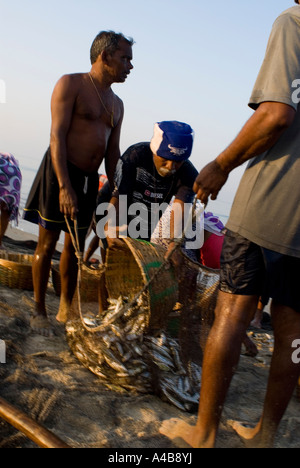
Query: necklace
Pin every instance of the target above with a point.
(111, 114)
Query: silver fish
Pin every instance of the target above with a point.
(132, 337)
(163, 363)
(138, 350)
(113, 362)
(89, 322)
(172, 399)
(97, 371)
(127, 356)
(177, 360)
(119, 348)
(163, 350)
(116, 330)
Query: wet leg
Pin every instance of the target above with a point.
(40, 272)
(233, 316)
(284, 374)
(68, 275)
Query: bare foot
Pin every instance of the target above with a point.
(64, 311)
(250, 436)
(176, 429)
(41, 325)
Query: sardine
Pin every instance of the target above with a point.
(161, 362)
(113, 362)
(89, 322)
(172, 399)
(132, 337)
(119, 348)
(98, 372)
(163, 350)
(116, 331)
(186, 397)
(127, 356)
(138, 350)
(136, 371)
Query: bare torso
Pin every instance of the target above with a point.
(90, 127)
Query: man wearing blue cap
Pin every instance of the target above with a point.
(147, 177)
(149, 174)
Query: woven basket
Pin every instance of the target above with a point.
(129, 270)
(16, 271)
(198, 292)
(89, 282)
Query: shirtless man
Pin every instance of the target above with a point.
(86, 126)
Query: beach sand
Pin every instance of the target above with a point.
(44, 379)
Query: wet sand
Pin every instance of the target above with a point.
(44, 379)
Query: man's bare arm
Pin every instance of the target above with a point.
(112, 155)
(258, 135)
(62, 105)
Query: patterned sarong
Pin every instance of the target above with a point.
(10, 184)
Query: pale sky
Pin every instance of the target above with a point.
(195, 61)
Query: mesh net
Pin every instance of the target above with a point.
(134, 350)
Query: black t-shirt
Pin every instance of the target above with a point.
(137, 178)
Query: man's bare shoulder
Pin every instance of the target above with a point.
(73, 78)
(71, 81)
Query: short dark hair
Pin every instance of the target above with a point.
(108, 41)
(297, 1)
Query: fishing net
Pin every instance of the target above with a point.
(128, 346)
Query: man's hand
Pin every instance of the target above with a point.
(68, 203)
(209, 182)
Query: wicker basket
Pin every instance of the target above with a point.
(89, 282)
(129, 270)
(198, 292)
(16, 270)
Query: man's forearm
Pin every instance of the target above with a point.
(258, 135)
(59, 161)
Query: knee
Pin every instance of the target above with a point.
(46, 246)
(235, 312)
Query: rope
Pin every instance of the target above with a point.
(79, 255)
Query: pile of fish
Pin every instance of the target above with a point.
(127, 354)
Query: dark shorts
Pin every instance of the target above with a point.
(250, 270)
(42, 206)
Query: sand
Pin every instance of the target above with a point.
(44, 379)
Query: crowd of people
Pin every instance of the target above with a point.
(257, 253)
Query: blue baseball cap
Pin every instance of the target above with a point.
(172, 140)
